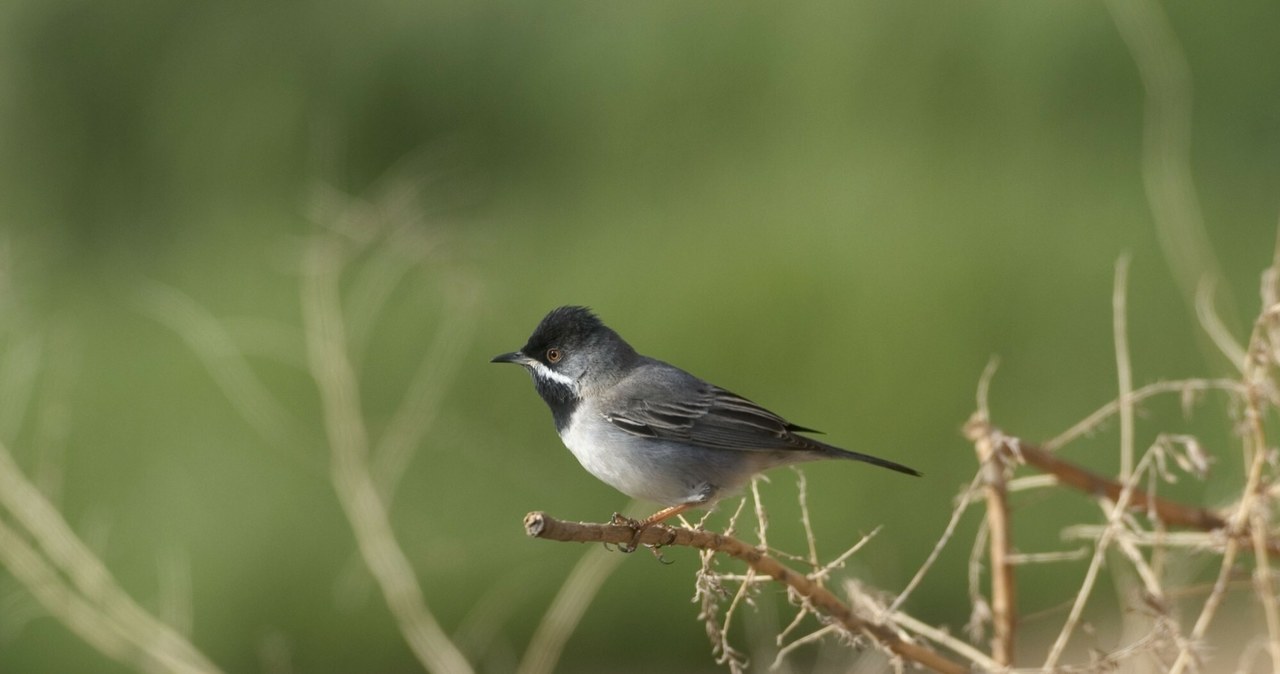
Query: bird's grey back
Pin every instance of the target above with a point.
(659, 400)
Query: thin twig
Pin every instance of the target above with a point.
(1114, 524)
(962, 504)
(1170, 512)
(1004, 611)
(980, 660)
(1030, 482)
(1262, 574)
(1049, 557)
(812, 637)
(1173, 539)
(1180, 386)
(991, 459)
(1257, 379)
(1213, 325)
(980, 608)
(737, 664)
(1124, 367)
(802, 488)
(541, 525)
(708, 590)
(837, 563)
(762, 516)
(1239, 523)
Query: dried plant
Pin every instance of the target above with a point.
(1134, 537)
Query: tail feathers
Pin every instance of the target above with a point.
(836, 452)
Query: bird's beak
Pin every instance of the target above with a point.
(513, 357)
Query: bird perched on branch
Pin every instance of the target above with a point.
(651, 430)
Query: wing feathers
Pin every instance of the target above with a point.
(668, 403)
(713, 418)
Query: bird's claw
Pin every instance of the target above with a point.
(620, 520)
(638, 528)
(657, 554)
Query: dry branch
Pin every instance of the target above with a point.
(1169, 512)
(1004, 611)
(541, 525)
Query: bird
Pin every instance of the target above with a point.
(652, 430)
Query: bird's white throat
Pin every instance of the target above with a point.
(541, 371)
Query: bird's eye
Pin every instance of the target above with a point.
(554, 355)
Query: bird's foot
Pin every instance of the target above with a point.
(620, 520)
(657, 554)
(637, 528)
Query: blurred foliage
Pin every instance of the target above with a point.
(839, 210)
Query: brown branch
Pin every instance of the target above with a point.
(1169, 512)
(541, 525)
(1004, 608)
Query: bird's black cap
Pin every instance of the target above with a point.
(565, 326)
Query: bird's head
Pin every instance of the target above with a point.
(571, 351)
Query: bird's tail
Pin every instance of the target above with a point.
(836, 452)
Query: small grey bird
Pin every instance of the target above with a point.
(651, 430)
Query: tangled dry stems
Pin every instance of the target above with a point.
(1136, 525)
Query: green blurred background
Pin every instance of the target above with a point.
(840, 210)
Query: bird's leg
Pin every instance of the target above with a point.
(639, 527)
(665, 513)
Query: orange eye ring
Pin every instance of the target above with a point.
(554, 355)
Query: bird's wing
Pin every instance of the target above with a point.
(680, 407)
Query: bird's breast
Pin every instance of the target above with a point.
(644, 468)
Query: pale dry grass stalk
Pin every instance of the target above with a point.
(1213, 326)
(962, 504)
(1192, 540)
(1124, 368)
(709, 590)
(979, 659)
(994, 470)
(1259, 381)
(42, 551)
(77, 588)
(979, 607)
(1166, 140)
(1245, 524)
(1259, 359)
(335, 377)
(1116, 529)
(1094, 420)
(20, 366)
(1113, 529)
(53, 418)
(364, 473)
(566, 610)
(796, 644)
